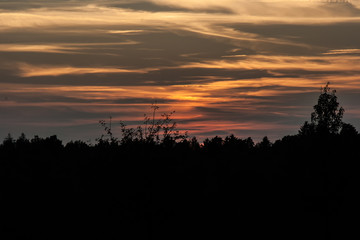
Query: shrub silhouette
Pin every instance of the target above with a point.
(154, 131)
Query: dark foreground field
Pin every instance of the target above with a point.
(300, 186)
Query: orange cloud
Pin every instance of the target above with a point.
(342, 51)
(318, 63)
(28, 70)
(65, 48)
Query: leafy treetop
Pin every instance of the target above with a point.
(327, 116)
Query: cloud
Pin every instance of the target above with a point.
(97, 15)
(28, 70)
(290, 8)
(37, 48)
(270, 62)
(126, 32)
(64, 48)
(342, 51)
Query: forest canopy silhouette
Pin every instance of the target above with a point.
(155, 182)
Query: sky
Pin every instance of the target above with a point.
(249, 68)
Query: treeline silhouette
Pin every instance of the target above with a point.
(155, 183)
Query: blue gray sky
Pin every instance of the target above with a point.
(251, 68)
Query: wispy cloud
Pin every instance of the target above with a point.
(293, 8)
(342, 51)
(28, 70)
(64, 48)
(97, 15)
(37, 48)
(126, 32)
(312, 63)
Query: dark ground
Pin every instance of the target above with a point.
(228, 189)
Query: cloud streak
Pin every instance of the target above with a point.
(314, 63)
(27, 70)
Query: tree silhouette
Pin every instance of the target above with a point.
(264, 144)
(327, 116)
(348, 130)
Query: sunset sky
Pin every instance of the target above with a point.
(251, 68)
